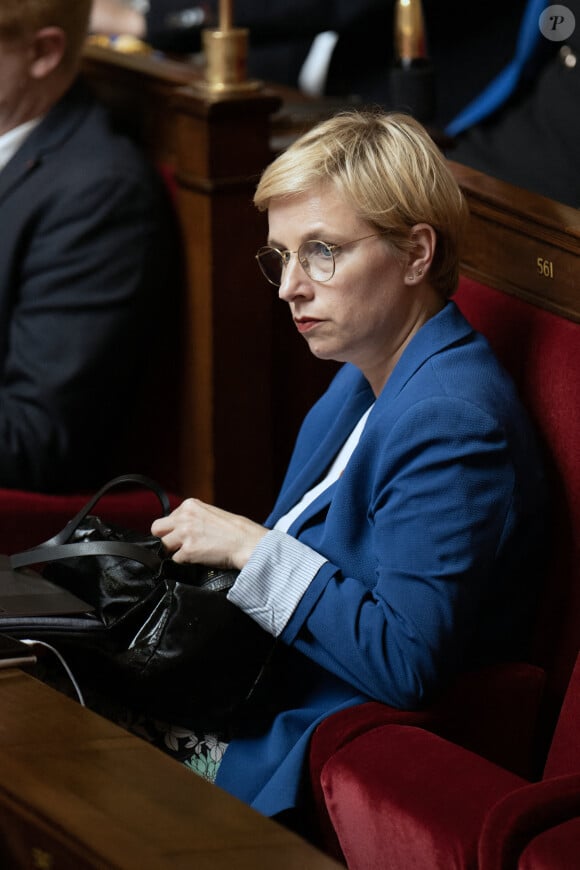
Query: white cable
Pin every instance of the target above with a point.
(29, 642)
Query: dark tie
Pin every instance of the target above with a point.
(498, 90)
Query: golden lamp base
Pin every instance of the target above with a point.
(226, 60)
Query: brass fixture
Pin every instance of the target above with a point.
(226, 56)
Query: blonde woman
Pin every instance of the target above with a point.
(402, 544)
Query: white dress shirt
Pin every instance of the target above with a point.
(11, 141)
(281, 568)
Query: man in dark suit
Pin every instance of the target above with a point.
(533, 140)
(83, 258)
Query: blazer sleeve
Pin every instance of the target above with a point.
(441, 504)
(411, 537)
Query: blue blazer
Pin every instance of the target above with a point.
(431, 536)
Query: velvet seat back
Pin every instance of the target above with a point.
(542, 353)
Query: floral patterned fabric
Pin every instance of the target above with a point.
(200, 752)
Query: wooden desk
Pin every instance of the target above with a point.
(78, 792)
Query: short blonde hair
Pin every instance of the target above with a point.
(389, 169)
(20, 18)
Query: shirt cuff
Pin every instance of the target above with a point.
(274, 580)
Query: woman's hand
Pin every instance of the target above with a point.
(202, 533)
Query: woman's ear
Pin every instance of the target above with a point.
(48, 50)
(423, 240)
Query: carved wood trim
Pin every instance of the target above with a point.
(521, 243)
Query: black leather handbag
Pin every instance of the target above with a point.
(161, 637)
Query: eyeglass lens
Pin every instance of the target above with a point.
(316, 258)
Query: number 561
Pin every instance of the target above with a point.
(545, 267)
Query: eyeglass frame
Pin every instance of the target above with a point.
(286, 254)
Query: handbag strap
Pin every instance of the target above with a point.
(52, 552)
(72, 525)
(57, 547)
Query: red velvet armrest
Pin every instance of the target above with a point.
(493, 712)
(336, 731)
(557, 848)
(526, 814)
(400, 796)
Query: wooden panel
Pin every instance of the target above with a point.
(522, 243)
(229, 311)
(215, 149)
(78, 792)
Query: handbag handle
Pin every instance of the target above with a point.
(57, 547)
(72, 525)
(48, 552)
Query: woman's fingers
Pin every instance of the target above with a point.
(198, 532)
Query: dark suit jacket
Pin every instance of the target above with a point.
(83, 252)
(534, 140)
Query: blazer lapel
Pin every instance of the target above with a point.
(54, 129)
(347, 416)
(18, 168)
(446, 328)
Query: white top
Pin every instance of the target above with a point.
(11, 141)
(334, 473)
(281, 568)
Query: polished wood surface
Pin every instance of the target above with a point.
(78, 792)
(521, 243)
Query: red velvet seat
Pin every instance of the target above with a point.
(555, 848)
(28, 518)
(401, 797)
(536, 827)
(498, 713)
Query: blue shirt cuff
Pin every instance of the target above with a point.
(274, 580)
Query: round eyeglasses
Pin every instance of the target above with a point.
(316, 258)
